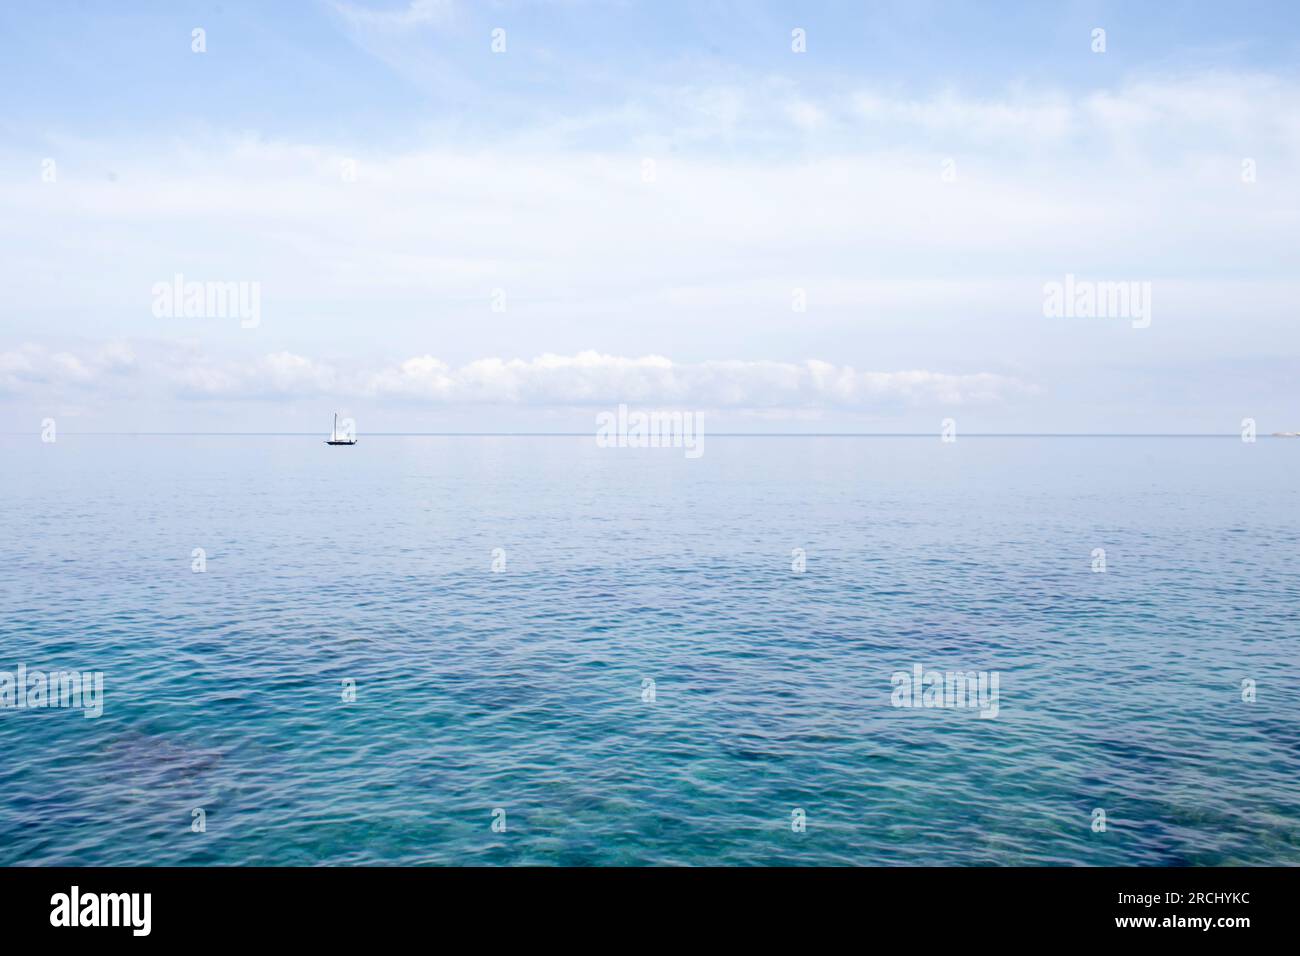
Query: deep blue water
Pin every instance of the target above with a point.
(522, 689)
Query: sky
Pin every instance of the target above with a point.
(670, 205)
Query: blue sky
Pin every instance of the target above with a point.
(642, 191)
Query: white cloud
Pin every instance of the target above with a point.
(282, 374)
(30, 366)
(1155, 119)
(591, 378)
(18, 369)
(948, 113)
(805, 114)
(547, 381)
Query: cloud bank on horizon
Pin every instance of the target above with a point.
(667, 205)
(587, 378)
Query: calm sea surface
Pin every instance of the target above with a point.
(522, 689)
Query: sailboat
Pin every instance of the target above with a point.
(334, 438)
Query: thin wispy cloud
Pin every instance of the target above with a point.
(415, 13)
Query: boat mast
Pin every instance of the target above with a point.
(334, 434)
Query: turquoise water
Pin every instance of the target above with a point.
(522, 689)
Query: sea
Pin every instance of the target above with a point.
(532, 650)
